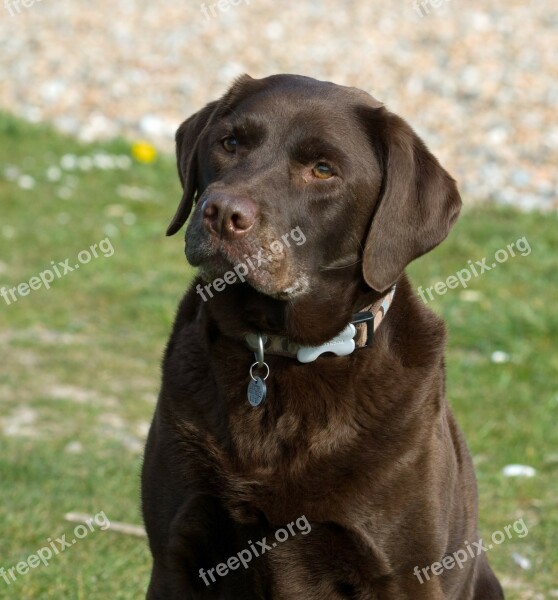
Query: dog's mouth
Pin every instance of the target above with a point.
(269, 268)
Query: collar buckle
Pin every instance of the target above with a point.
(365, 319)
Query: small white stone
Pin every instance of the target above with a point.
(133, 193)
(51, 91)
(64, 192)
(85, 163)
(71, 181)
(103, 161)
(74, 448)
(154, 126)
(115, 210)
(8, 232)
(521, 561)
(54, 174)
(111, 230)
(497, 136)
(518, 471)
(471, 296)
(68, 162)
(499, 357)
(26, 182)
(97, 126)
(274, 30)
(129, 218)
(11, 172)
(33, 114)
(142, 428)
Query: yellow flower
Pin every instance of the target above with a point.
(144, 152)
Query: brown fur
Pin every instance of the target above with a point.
(364, 446)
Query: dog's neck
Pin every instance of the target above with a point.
(359, 333)
(305, 325)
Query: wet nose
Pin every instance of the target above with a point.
(229, 216)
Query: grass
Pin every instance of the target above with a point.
(80, 364)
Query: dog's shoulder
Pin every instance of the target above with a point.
(417, 335)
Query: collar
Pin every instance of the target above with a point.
(359, 333)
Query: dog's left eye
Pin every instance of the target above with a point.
(230, 143)
(322, 170)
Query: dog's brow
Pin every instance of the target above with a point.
(248, 123)
(311, 147)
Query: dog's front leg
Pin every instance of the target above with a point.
(411, 589)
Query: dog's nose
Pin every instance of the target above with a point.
(229, 216)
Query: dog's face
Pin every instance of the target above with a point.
(314, 188)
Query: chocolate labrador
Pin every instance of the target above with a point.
(302, 447)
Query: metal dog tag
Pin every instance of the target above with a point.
(257, 391)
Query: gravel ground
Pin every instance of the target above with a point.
(478, 82)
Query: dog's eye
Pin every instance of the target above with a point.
(230, 143)
(322, 171)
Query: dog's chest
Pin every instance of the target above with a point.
(301, 445)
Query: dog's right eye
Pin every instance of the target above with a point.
(322, 170)
(230, 143)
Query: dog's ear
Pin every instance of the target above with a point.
(418, 202)
(186, 159)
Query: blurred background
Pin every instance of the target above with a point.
(90, 98)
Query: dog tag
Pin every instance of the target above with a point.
(256, 391)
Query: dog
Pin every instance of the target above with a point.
(302, 447)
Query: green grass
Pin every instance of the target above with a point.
(80, 363)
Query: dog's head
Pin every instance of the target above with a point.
(308, 191)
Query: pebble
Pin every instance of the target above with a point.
(26, 182)
(111, 230)
(85, 163)
(65, 193)
(8, 232)
(133, 193)
(74, 448)
(521, 561)
(479, 82)
(11, 173)
(471, 296)
(499, 357)
(518, 471)
(68, 162)
(129, 218)
(54, 174)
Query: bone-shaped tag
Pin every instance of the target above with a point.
(341, 345)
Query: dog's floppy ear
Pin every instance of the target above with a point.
(418, 202)
(186, 159)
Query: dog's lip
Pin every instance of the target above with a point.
(216, 267)
(218, 263)
(217, 252)
(216, 260)
(273, 276)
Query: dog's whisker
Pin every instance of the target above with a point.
(325, 268)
